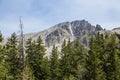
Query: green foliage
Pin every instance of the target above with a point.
(94, 63)
(3, 70)
(100, 62)
(72, 60)
(78, 57)
(12, 58)
(112, 58)
(36, 60)
(66, 59)
(1, 38)
(71, 77)
(55, 64)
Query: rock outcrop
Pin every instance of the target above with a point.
(65, 30)
(76, 29)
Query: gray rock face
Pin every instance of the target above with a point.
(71, 30)
(118, 28)
(65, 30)
(55, 37)
(57, 34)
(82, 27)
(98, 27)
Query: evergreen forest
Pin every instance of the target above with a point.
(99, 61)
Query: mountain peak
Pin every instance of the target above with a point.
(71, 30)
(98, 27)
(66, 30)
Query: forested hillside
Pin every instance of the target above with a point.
(100, 61)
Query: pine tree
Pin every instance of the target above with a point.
(36, 60)
(3, 70)
(78, 58)
(112, 59)
(72, 60)
(54, 64)
(94, 63)
(12, 58)
(1, 37)
(29, 58)
(67, 61)
(45, 66)
(40, 51)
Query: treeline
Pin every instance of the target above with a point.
(101, 61)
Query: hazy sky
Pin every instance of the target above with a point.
(38, 15)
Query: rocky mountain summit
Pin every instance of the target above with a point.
(65, 30)
(59, 32)
(68, 30)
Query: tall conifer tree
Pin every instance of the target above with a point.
(112, 59)
(37, 62)
(54, 64)
(94, 64)
(3, 70)
(12, 58)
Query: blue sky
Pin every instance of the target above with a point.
(38, 15)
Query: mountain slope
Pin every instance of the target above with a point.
(76, 29)
(65, 30)
(56, 34)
